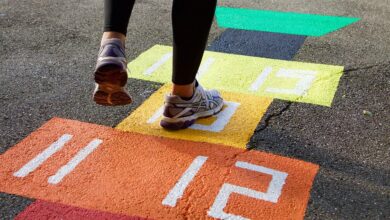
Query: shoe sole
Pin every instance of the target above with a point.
(110, 81)
(185, 122)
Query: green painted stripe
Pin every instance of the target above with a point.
(280, 22)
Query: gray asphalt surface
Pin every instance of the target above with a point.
(48, 51)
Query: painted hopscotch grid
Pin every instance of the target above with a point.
(233, 126)
(66, 158)
(120, 177)
(287, 80)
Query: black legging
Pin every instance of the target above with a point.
(191, 22)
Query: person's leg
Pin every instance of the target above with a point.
(116, 18)
(191, 21)
(111, 67)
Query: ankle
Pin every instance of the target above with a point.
(184, 91)
(114, 35)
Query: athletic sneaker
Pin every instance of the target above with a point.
(111, 75)
(180, 114)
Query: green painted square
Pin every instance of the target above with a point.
(281, 22)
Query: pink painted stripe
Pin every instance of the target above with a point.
(48, 210)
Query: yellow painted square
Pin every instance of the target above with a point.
(248, 111)
(287, 80)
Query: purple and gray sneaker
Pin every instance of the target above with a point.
(111, 75)
(180, 114)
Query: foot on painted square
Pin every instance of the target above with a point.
(180, 114)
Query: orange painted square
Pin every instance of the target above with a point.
(131, 174)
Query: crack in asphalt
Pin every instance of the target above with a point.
(268, 119)
(347, 71)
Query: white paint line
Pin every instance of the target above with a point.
(272, 195)
(220, 202)
(298, 71)
(223, 119)
(205, 67)
(302, 86)
(261, 79)
(69, 167)
(156, 115)
(43, 156)
(178, 190)
(159, 63)
(278, 179)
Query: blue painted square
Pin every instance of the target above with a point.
(258, 43)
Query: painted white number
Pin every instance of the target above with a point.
(69, 167)
(223, 119)
(306, 79)
(218, 125)
(42, 157)
(204, 67)
(178, 190)
(52, 149)
(272, 194)
(159, 63)
(261, 79)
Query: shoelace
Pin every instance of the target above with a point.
(207, 96)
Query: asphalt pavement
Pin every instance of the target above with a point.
(48, 52)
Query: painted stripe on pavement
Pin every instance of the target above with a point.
(178, 190)
(205, 66)
(69, 167)
(280, 22)
(134, 173)
(237, 73)
(258, 44)
(159, 63)
(261, 79)
(42, 157)
(232, 126)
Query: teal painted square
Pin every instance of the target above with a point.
(280, 22)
